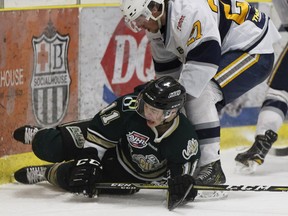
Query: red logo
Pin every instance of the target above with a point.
(137, 140)
(127, 61)
(180, 22)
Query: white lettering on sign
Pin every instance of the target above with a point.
(135, 60)
(11, 77)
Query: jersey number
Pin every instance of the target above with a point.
(110, 116)
(236, 11)
(196, 33)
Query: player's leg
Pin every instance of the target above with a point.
(113, 171)
(238, 73)
(276, 100)
(73, 137)
(46, 143)
(58, 174)
(203, 114)
(31, 174)
(270, 119)
(54, 144)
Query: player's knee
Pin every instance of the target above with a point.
(73, 137)
(47, 145)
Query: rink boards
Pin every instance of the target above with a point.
(59, 70)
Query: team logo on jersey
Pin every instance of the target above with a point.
(50, 81)
(148, 163)
(129, 103)
(76, 135)
(137, 140)
(180, 22)
(192, 149)
(180, 50)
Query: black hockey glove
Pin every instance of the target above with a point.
(180, 190)
(86, 172)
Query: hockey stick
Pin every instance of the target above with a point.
(198, 187)
(279, 151)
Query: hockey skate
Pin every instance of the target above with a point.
(211, 174)
(25, 134)
(31, 174)
(248, 161)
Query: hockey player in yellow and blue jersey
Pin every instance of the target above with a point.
(138, 138)
(274, 108)
(217, 49)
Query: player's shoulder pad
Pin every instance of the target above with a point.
(129, 102)
(192, 18)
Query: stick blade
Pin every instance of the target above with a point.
(279, 151)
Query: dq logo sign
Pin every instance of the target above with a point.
(127, 61)
(50, 81)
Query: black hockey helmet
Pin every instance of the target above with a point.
(164, 93)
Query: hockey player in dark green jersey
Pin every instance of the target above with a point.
(141, 137)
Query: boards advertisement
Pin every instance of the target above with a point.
(60, 65)
(38, 71)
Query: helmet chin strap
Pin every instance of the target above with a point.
(165, 120)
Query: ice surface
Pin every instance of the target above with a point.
(44, 199)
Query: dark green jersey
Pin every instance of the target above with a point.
(140, 150)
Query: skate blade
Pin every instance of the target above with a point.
(211, 195)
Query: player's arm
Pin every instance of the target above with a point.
(182, 164)
(282, 8)
(85, 172)
(106, 128)
(165, 62)
(201, 39)
(180, 187)
(103, 133)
